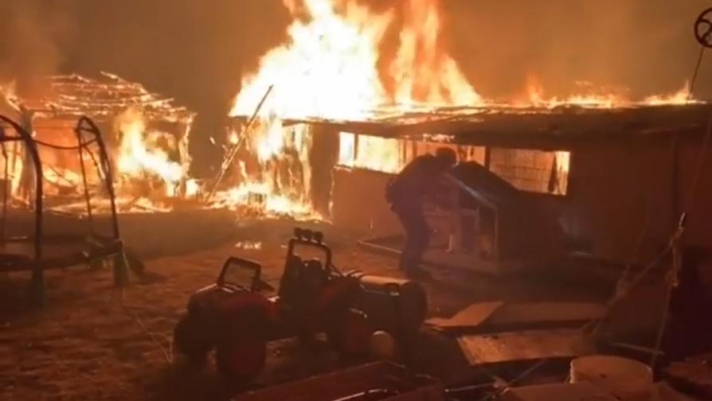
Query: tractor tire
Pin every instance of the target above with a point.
(190, 340)
(351, 335)
(242, 359)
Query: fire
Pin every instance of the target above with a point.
(8, 92)
(423, 72)
(600, 97)
(682, 96)
(379, 154)
(141, 156)
(330, 69)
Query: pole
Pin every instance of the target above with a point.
(233, 152)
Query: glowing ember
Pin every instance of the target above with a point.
(249, 246)
(9, 94)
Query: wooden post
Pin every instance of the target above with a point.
(323, 158)
(184, 154)
(28, 177)
(674, 181)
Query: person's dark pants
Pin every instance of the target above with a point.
(417, 235)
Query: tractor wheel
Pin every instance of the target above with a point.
(351, 335)
(189, 339)
(241, 360)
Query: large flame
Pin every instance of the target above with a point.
(313, 74)
(330, 67)
(422, 71)
(140, 156)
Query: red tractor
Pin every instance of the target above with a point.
(236, 319)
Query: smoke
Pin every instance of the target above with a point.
(646, 46)
(36, 39)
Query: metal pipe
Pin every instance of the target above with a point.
(86, 124)
(37, 290)
(87, 198)
(238, 145)
(5, 184)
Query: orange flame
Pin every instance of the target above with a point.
(329, 68)
(141, 157)
(423, 71)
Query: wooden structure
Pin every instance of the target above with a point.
(51, 113)
(615, 180)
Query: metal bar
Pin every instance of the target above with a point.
(87, 198)
(37, 289)
(120, 268)
(5, 184)
(238, 145)
(86, 124)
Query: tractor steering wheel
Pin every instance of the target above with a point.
(703, 28)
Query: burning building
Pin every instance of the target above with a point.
(325, 122)
(146, 137)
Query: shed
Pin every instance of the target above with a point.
(615, 179)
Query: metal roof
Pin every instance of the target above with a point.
(541, 127)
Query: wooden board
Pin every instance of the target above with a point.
(499, 313)
(557, 392)
(470, 317)
(352, 381)
(548, 312)
(524, 346)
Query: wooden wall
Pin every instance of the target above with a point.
(359, 202)
(617, 191)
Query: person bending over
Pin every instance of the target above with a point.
(406, 193)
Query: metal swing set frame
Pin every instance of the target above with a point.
(73, 249)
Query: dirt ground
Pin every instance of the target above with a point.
(94, 341)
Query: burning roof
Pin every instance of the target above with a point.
(498, 125)
(73, 95)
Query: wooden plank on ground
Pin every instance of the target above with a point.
(547, 312)
(470, 317)
(557, 392)
(394, 382)
(524, 346)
